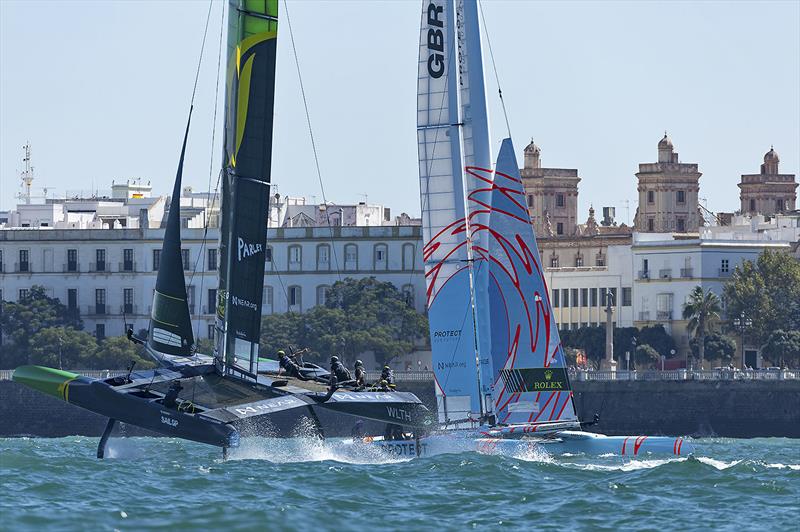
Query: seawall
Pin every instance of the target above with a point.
(735, 409)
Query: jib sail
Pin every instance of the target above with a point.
(530, 379)
(170, 324)
(250, 94)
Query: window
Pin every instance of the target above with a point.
(1, 261)
(294, 297)
(651, 224)
(72, 260)
(295, 257)
(350, 257)
(100, 260)
(190, 298)
(584, 297)
(185, 258)
(322, 294)
(559, 228)
(23, 294)
(323, 257)
(266, 300)
(555, 298)
(211, 304)
(600, 260)
(724, 266)
(100, 301)
(408, 257)
(381, 252)
(268, 254)
(210, 331)
(408, 292)
(681, 197)
(564, 297)
(72, 300)
(752, 205)
(626, 296)
(651, 197)
(127, 301)
(559, 200)
(593, 295)
(780, 205)
(602, 297)
(578, 261)
(554, 261)
(574, 297)
(530, 201)
(156, 259)
(212, 259)
(24, 263)
(100, 331)
(127, 260)
(680, 225)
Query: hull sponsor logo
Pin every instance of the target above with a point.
(246, 249)
(265, 407)
(172, 422)
(435, 41)
(398, 413)
(404, 448)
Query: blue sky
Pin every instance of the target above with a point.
(101, 90)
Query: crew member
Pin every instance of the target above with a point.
(290, 367)
(338, 370)
(388, 375)
(361, 374)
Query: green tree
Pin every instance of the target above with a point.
(768, 292)
(117, 352)
(717, 347)
(20, 321)
(646, 356)
(702, 310)
(591, 339)
(359, 315)
(658, 338)
(62, 347)
(783, 347)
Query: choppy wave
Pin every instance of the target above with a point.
(305, 482)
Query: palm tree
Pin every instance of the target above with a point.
(702, 310)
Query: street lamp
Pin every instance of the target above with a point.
(742, 323)
(633, 353)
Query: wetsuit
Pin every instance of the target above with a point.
(361, 376)
(340, 372)
(388, 376)
(291, 368)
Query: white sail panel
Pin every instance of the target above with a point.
(443, 216)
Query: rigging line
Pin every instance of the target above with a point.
(202, 48)
(313, 143)
(494, 67)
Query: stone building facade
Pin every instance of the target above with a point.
(768, 192)
(552, 195)
(668, 194)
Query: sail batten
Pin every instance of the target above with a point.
(250, 95)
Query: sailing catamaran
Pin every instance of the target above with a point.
(500, 372)
(215, 399)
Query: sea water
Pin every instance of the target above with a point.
(304, 483)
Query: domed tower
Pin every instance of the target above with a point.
(768, 192)
(668, 193)
(532, 153)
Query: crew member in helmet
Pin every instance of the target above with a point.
(387, 375)
(339, 371)
(361, 374)
(290, 366)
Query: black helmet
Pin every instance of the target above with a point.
(334, 358)
(359, 363)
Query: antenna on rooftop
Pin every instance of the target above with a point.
(26, 175)
(364, 195)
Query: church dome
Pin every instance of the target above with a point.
(665, 142)
(532, 148)
(771, 156)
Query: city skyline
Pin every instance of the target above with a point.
(731, 90)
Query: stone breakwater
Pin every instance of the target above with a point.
(735, 409)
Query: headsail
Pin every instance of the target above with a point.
(170, 324)
(531, 383)
(252, 37)
(445, 253)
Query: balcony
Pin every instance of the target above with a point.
(664, 315)
(97, 310)
(209, 310)
(22, 267)
(71, 267)
(128, 309)
(2, 268)
(687, 273)
(98, 267)
(644, 315)
(724, 272)
(644, 274)
(127, 266)
(665, 273)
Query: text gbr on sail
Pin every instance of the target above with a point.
(435, 41)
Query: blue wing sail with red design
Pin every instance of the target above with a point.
(530, 379)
